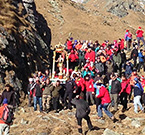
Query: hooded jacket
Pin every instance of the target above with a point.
(139, 33)
(104, 95)
(125, 87)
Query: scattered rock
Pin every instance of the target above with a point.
(14, 125)
(71, 113)
(24, 122)
(23, 110)
(30, 129)
(101, 121)
(39, 116)
(110, 132)
(136, 123)
(127, 119)
(42, 134)
(143, 130)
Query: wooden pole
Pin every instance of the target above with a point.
(67, 61)
(53, 68)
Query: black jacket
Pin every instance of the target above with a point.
(82, 107)
(10, 96)
(115, 87)
(38, 90)
(123, 57)
(134, 53)
(70, 86)
(30, 87)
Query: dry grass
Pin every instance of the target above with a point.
(10, 18)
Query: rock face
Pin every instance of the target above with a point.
(26, 48)
(121, 8)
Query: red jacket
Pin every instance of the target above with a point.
(89, 85)
(104, 95)
(139, 33)
(88, 65)
(125, 87)
(1, 113)
(121, 44)
(69, 45)
(73, 57)
(79, 83)
(109, 52)
(90, 56)
(143, 83)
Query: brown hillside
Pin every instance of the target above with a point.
(86, 21)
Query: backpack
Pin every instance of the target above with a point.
(8, 115)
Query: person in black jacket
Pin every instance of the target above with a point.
(9, 94)
(82, 111)
(70, 89)
(134, 55)
(37, 95)
(123, 58)
(115, 89)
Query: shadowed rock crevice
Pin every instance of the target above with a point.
(24, 43)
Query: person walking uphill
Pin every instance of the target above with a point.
(128, 39)
(47, 95)
(5, 126)
(37, 95)
(138, 91)
(139, 36)
(125, 91)
(82, 111)
(56, 95)
(30, 88)
(115, 89)
(141, 60)
(8, 93)
(71, 88)
(105, 100)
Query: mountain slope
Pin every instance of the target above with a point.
(90, 20)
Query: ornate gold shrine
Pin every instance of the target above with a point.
(60, 48)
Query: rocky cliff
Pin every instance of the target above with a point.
(24, 42)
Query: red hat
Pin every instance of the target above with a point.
(127, 30)
(139, 27)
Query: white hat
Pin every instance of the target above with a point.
(30, 79)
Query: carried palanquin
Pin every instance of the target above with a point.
(60, 68)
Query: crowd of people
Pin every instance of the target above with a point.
(102, 74)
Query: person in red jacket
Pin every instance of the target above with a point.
(88, 65)
(80, 84)
(105, 101)
(139, 36)
(90, 55)
(69, 44)
(4, 127)
(88, 83)
(125, 91)
(73, 59)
